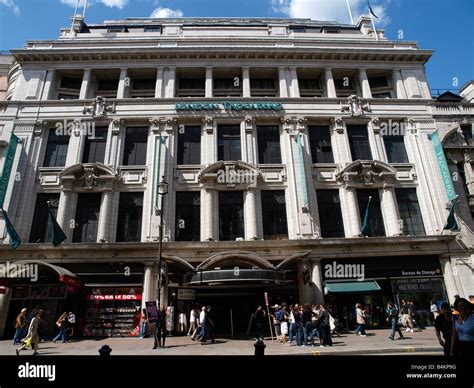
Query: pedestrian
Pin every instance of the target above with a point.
(291, 320)
(283, 317)
(444, 325)
(20, 327)
(392, 312)
(259, 316)
(183, 324)
(32, 337)
(209, 324)
(324, 326)
(143, 324)
(71, 318)
(462, 345)
(276, 322)
(41, 325)
(406, 316)
(200, 332)
(434, 310)
(193, 321)
(62, 323)
(160, 329)
(298, 325)
(361, 320)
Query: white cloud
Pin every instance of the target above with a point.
(166, 13)
(12, 5)
(109, 3)
(334, 10)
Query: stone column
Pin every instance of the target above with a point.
(159, 83)
(398, 86)
(304, 282)
(170, 82)
(64, 210)
(104, 217)
(350, 212)
(4, 305)
(251, 232)
(86, 86)
(124, 84)
(149, 284)
(282, 82)
(209, 83)
(208, 208)
(114, 145)
(294, 87)
(329, 80)
(449, 281)
(364, 84)
(245, 81)
(390, 211)
(317, 280)
(48, 85)
(76, 145)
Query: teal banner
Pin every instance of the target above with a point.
(443, 166)
(232, 106)
(7, 168)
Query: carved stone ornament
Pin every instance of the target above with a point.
(99, 107)
(364, 174)
(230, 174)
(294, 125)
(249, 124)
(355, 106)
(338, 124)
(88, 177)
(208, 124)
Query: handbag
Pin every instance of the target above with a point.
(28, 342)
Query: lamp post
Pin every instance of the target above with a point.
(162, 191)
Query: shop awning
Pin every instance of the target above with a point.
(353, 286)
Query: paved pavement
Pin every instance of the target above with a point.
(377, 342)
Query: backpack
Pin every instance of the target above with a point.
(280, 315)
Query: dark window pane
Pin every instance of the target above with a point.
(191, 83)
(129, 222)
(268, 144)
(395, 148)
(87, 217)
(225, 83)
(375, 213)
(275, 226)
(228, 142)
(359, 142)
(188, 216)
(42, 228)
(343, 83)
(71, 83)
(231, 215)
(144, 84)
(378, 82)
(63, 96)
(382, 95)
(467, 132)
(136, 139)
(410, 212)
(320, 142)
(189, 145)
(330, 215)
(152, 29)
(94, 149)
(56, 150)
(107, 85)
(262, 83)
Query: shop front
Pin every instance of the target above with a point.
(375, 281)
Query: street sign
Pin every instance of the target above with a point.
(151, 311)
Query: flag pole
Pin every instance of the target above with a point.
(350, 12)
(73, 19)
(373, 23)
(85, 9)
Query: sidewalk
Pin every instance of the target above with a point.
(376, 342)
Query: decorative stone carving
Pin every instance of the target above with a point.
(375, 124)
(249, 124)
(88, 177)
(40, 125)
(116, 125)
(338, 124)
(230, 174)
(208, 124)
(355, 106)
(294, 125)
(99, 107)
(88, 180)
(361, 174)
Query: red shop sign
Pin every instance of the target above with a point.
(114, 297)
(70, 281)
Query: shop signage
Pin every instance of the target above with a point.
(229, 106)
(151, 311)
(114, 297)
(70, 281)
(186, 294)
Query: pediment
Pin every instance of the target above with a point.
(230, 174)
(363, 173)
(88, 176)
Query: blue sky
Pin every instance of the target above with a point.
(443, 25)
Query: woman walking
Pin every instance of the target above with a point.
(62, 324)
(360, 318)
(143, 324)
(20, 326)
(32, 336)
(462, 345)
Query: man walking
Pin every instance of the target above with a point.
(392, 312)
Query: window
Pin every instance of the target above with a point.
(56, 150)
(143, 88)
(380, 86)
(298, 29)
(69, 87)
(344, 86)
(136, 139)
(395, 148)
(275, 226)
(87, 218)
(227, 87)
(310, 87)
(191, 86)
(189, 145)
(228, 142)
(65, 96)
(152, 29)
(107, 85)
(70, 83)
(467, 132)
(330, 30)
(129, 222)
(330, 215)
(268, 144)
(359, 142)
(42, 228)
(376, 225)
(94, 149)
(320, 143)
(264, 87)
(409, 211)
(116, 29)
(188, 216)
(231, 215)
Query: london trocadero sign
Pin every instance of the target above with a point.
(229, 106)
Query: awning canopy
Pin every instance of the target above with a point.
(353, 286)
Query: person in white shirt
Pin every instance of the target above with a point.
(182, 322)
(192, 321)
(434, 309)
